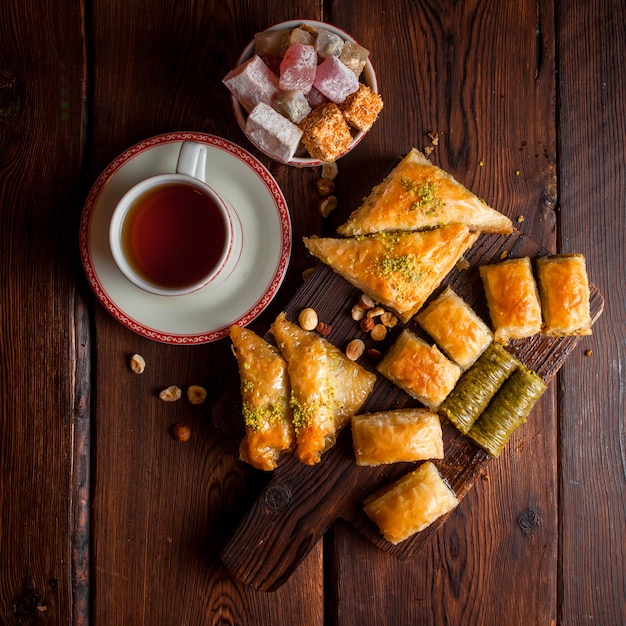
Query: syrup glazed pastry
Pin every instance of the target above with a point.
(411, 503)
(398, 270)
(564, 294)
(420, 369)
(396, 436)
(327, 389)
(512, 298)
(417, 195)
(456, 328)
(265, 396)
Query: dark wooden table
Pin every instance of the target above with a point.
(104, 519)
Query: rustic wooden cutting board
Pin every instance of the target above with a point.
(300, 502)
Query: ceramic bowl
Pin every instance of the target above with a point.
(368, 77)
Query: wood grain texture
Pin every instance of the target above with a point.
(162, 509)
(592, 392)
(40, 119)
(491, 103)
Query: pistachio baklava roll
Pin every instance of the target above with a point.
(508, 410)
(477, 386)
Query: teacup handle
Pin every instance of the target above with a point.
(192, 160)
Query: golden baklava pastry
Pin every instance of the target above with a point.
(327, 389)
(410, 504)
(456, 328)
(265, 394)
(416, 195)
(564, 295)
(396, 436)
(398, 270)
(419, 369)
(512, 298)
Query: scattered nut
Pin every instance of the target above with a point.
(433, 135)
(323, 329)
(503, 254)
(328, 205)
(137, 364)
(379, 332)
(462, 264)
(330, 170)
(588, 352)
(520, 219)
(377, 311)
(374, 354)
(366, 324)
(366, 302)
(196, 394)
(428, 150)
(171, 394)
(355, 349)
(388, 319)
(308, 319)
(357, 313)
(181, 432)
(325, 186)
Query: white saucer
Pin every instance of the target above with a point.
(206, 315)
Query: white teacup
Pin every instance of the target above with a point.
(172, 234)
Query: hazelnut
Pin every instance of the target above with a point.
(355, 349)
(308, 319)
(325, 186)
(357, 313)
(379, 332)
(377, 311)
(328, 205)
(330, 170)
(323, 329)
(366, 302)
(181, 432)
(171, 394)
(196, 394)
(374, 354)
(388, 319)
(366, 324)
(137, 364)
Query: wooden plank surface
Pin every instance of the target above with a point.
(492, 103)
(162, 509)
(104, 519)
(41, 399)
(592, 394)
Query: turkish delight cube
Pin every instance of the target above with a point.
(326, 133)
(354, 56)
(273, 133)
(362, 107)
(315, 97)
(328, 44)
(271, 43)
(293, 105)
(335, 80)
(298, 68)
(302, 35)
(252, 82)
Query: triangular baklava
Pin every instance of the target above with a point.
(416, 195)
(327, 389)
(398, 270)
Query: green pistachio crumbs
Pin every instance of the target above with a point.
(425, 195)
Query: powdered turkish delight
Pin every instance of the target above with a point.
(335, 80)
(328, 44)
(298, 68)
(354, 56)
(252, 82)
(293, 105)
(273, 133)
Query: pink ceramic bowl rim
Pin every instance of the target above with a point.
(368, 77)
